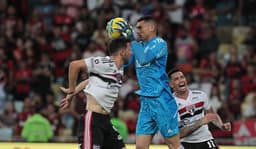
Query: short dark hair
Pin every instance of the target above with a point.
(172, 71)
(147, 18)
(116, 44)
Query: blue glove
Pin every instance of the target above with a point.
(126, 29)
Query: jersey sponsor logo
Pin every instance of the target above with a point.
(194, 98)
(196, 92)
(106, 60)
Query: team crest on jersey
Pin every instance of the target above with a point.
(191, 109)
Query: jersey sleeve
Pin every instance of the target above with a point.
(92, 63)
(154, 51)
(207, 104)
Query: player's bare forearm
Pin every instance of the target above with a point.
(218, 122)
(81, 86)
(187, 130)
(78, 89)
(223, 126)
(66, 101)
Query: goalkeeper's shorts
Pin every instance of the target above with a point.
(158, 113)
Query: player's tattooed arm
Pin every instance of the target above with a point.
(218, 122)
(187, 130)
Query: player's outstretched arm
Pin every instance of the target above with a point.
(66, 101)
(218, 122)
(187, 130)
(74, 69)
(78, 88)
(223, 126)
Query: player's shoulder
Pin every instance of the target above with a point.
(135, 42)
(197, 92)
(159, 41)
(101, 59)
(136, 45)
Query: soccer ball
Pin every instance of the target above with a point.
(114, 28)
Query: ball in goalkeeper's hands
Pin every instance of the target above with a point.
(117, 27)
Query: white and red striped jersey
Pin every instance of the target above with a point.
(191, 110)
(105, 80)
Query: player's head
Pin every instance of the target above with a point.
(146, 28)
(178, 82)
(120, 47)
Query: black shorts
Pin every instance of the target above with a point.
(210, 144)
(97, 132)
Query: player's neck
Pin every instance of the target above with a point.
(150, 37)
(182, 94)
(117, 61)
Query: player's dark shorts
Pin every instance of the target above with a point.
(210, 144)
(97, 132)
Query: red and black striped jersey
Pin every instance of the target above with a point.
(191, 110)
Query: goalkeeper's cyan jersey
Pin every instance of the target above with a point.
(150, 62)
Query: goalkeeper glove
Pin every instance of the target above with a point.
(126, 29)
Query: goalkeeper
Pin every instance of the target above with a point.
(158, 109)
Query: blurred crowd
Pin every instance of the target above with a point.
(212, 41)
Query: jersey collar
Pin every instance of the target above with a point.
(148, 41)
